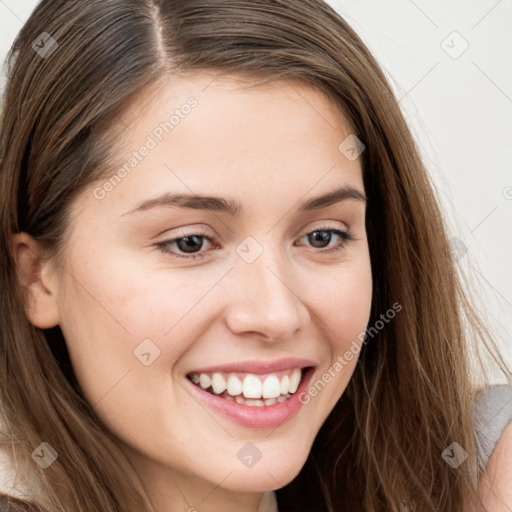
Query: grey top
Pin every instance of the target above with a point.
(492, 413)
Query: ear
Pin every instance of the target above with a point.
(40, 285)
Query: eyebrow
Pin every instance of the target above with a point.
(234, 208)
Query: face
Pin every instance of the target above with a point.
(243, 294)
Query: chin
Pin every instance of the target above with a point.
(265, 476)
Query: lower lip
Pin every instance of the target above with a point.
(261, 417)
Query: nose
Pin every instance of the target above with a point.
(265, 299)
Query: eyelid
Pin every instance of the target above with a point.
(317, 225)
(344, 233)
(323, 224)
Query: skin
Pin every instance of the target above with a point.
(268, 147)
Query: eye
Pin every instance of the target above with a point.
(324, 235)
(190, 244)
(187, 243)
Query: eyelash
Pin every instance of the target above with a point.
(346, 237)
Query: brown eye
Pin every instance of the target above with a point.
(189, 245)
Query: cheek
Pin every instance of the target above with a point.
(124, 299)
(342, 304)
(342, 300)
(109, 328)
(113, 313)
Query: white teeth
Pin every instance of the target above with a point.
(218, 383)
(234, 385)
(294, 381)
(204, 381)
(252, 386)
(285, 385)
(255, 403)
(251, 403)
(239, 399)
(271, 387)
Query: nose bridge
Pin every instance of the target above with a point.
(264, 299)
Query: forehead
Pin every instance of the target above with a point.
(203, 134)
(231, 113)
(232, 90)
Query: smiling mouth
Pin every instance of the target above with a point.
(255, 390)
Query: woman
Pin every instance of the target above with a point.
(263, 370)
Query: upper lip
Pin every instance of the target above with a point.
(257, 366)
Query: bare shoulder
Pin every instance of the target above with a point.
(495, 484)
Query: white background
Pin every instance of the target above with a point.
(459, 108)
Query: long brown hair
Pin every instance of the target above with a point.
(73, 68)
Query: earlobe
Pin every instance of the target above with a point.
(33, 269)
